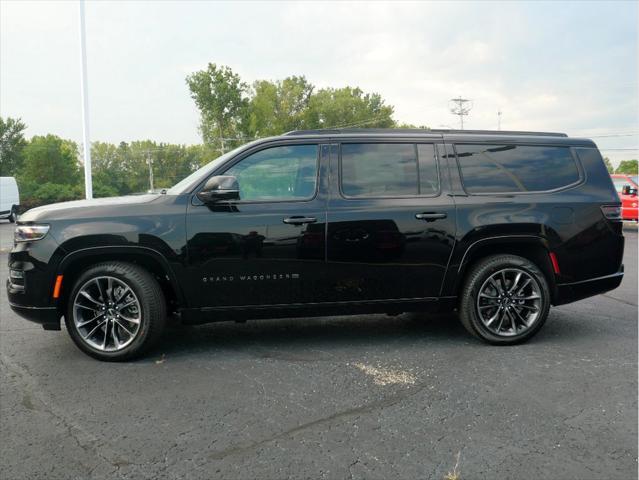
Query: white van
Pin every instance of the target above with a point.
(9, 198)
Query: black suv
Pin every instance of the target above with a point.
(498, 225)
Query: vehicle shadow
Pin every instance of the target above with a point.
(263, 337)
(307, 339)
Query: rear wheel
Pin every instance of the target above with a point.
(116, 311)
(13, 215)
(505, 300)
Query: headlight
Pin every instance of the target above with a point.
(30, 233)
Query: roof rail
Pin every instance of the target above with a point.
(338, 131)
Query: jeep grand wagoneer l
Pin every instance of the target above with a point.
(498, 225)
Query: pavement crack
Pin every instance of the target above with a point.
(34, 400)
(362, 409)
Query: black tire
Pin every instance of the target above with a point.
(152, 309)
(478, 278)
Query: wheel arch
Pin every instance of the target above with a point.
(533, 248)
(73, 264)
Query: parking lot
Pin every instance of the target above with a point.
(338, 397)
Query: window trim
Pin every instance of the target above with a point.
(570, 148)
(240, 157)
(386, 142)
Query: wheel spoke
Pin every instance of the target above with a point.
(501, 320)
(79, 305)
(86, 322)
(495, 286)
(513, 287)
(504, 283)
(530, 297)
(490, 321)
(128, 319)
(521, 319)
(102, 293)
(124, 328)
(86, 295)
(485, 295)
(88, 335)
(127, 304)
(528, 307)
(524, 285)
(114, 335)
(483, 307)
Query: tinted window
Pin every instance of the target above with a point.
(515, 168)
(278, 173)
(428, 173)
(388, 170)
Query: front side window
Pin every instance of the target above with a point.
(388, 170)
(277, 174)
(515, 168)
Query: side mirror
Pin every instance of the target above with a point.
(220, 187)
(628, 190)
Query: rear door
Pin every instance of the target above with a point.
(391, 224)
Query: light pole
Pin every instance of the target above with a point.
(84, 87)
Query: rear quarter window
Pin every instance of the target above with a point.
(515, 168)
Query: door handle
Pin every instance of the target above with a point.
(299, 220)
(429, 216)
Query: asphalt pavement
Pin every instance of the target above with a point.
(369, 396)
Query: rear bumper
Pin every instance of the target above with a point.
(571, 292)
(48, 317)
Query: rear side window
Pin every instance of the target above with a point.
(388, 170)
(515, 168)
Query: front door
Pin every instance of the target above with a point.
(391, 225)
(267, 248)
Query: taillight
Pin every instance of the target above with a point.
(611, 212)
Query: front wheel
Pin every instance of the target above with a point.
(116, 311)
(505, 300)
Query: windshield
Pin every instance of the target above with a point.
(201, 173)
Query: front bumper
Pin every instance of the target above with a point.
(571, 292)
(48, 317)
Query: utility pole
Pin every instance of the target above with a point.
(149, 162)
(84, 87)
(499, 119)
(460, 106)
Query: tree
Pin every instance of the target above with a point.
(11, 144)
(51, 158)
(627, 166)
(277, 107)
(348, 107)
(220, 95)
(608, 165)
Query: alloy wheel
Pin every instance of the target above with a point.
(107, 313)
(509, 302)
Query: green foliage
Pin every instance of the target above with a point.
(277, 107)
(627, 166)
(50, 159)
(348, 107)
(220, 95)
(608, 165)
(231, 113)
(11, 144)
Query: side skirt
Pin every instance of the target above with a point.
(194, 316)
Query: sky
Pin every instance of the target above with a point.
(569, 67)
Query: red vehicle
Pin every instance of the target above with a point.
(626, 186)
